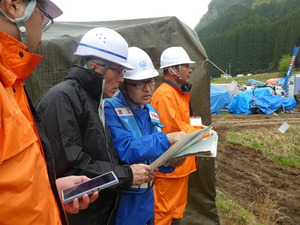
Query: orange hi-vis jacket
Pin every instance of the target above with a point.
(25, 193)
(173, 107)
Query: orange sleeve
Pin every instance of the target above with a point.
(173, 109)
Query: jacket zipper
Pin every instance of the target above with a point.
(114, 208)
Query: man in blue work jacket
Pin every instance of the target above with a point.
(137, 136)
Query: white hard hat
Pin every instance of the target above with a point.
(174, 56)
(143, 66)
(104, 43)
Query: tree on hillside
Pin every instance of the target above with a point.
(284, 63)
(252, 40)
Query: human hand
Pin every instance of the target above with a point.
(142, 173)
(77, 204)
(175, 136)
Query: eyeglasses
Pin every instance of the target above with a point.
(119, 70)
(47, 19)
(186, 66)
(141, 85)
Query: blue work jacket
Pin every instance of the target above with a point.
(144, 145)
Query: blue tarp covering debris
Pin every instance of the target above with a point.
(219, 99)
(262, 99)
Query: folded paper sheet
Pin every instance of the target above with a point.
(191, 144)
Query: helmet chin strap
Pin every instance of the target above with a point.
(186, 87)
(177, 75)
(105, 68)
(20, 21)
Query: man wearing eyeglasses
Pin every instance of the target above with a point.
(137, 136)
(29, 194)
(72, 112)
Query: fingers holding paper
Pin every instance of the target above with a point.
(142, 173)
(175, 136)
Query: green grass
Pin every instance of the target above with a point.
(288, 161)
(231, 212)
(243, 80)
(281, 148)
(263, 211)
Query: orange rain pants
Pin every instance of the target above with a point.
(170, 194)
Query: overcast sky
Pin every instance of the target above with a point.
(188, 11)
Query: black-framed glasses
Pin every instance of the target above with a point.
(119, 70)
(47, 19)
(141, 85)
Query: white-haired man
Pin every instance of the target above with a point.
(72, 112)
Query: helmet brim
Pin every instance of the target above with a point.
(142, 75)
(126, 66)
(53, 10)
(176, 64)
(85, 50)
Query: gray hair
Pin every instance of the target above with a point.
(88, 61)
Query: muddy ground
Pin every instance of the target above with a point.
(251, 178)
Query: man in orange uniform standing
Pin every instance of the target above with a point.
(28, 193)
(172, 101)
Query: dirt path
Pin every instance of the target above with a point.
(251, 178)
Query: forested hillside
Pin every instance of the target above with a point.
(249, 36)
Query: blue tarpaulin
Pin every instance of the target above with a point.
(219, 99)
(281, 80)
(262, 99)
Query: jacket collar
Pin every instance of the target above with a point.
(16, 63)
(90, 80)
(171, 83)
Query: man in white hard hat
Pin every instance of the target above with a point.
(137, 136)
(172, 101)
(29, 193)
(72, 112)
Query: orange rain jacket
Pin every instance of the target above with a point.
(25, 193)
(173, 107)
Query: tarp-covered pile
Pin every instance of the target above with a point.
(219, 99)
(262, 99)
(232, 88)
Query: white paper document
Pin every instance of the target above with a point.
(189, 145)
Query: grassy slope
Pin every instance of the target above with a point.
(226, 205)
(243, 80)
